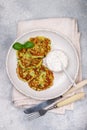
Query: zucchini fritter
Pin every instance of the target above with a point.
(26, 60)
(42, 46)
(43, 80)
(26, 74)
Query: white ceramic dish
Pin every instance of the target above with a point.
(61, 82)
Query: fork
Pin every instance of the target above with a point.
(67, 101)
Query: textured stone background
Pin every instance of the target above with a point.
(12, 11)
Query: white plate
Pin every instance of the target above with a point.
(61, 82)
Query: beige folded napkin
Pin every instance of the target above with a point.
(68, 27)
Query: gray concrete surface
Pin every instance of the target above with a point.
(12, 11)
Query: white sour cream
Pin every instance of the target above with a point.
(53, 60)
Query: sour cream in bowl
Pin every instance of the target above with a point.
(54, 59)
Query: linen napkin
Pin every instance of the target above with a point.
(68, 27)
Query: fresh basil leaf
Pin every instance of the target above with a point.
(17, 46)
(28, 44)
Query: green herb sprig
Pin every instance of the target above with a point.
(19, 46)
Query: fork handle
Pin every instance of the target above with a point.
(71, 99)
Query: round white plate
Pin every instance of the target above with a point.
(61, 82)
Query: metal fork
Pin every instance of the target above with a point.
(40, 113)
(67, 101)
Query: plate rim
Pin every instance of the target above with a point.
(57, 33)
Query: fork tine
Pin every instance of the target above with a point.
(39, 113)
(33, 116)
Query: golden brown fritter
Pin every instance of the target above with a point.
(43, 80)
(26, 74)
(31, 63)
(26, 60)
(42, 46)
